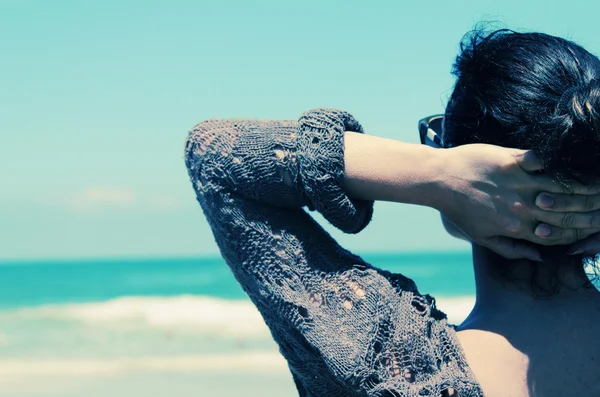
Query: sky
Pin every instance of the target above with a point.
(96, 98)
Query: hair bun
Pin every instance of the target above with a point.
(582, 103)
(575, 138)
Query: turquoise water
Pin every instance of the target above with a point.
(73, 328)
(60, 316)
(25, 284)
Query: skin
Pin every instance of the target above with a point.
(487, 192)
(520, 346)
(517, 345)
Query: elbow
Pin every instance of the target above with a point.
(197, 142)
(197, 149)
(200, 143)
(205, 146)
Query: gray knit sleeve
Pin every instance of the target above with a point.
(283, 163)
(346, 328)
(321, 158)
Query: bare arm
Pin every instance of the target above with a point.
(487, 192)
(389, 170)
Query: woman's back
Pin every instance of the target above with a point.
(558, 362)
(350, 329)
(523, 346)
(539, 92)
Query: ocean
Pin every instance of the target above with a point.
(163, 327)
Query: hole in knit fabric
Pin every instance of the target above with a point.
(377, 347)
(315, 140)
(303, 311)
(347, 303)
(357, 288)
(409, 375)
(280, 154)
(449, 392)
(419, 304)
(385, 361)
(315, 299)
(292, 158)
(395, 370)
(428, 329)
(426, 391)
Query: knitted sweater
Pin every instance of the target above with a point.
(345, 327)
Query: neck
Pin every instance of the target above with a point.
(499, 298)
(512, 339)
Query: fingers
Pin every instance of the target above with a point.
(527, 160)
(547, 184)
(569, 220)
(588, 246)
(513, 249)
(551, 235)
(568, 203)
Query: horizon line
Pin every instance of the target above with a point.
(133, 258)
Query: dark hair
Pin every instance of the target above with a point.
(529, 91)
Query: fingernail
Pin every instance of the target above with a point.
(575, 252)
(543, 230)
(536, 258)
(544, 201)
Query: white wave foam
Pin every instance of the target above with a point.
(456, 308)
(248, 362)
(169, 313)
(190, 313)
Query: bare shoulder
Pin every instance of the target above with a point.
(555, 361)
(499, 367)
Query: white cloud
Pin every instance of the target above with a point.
(101, 197)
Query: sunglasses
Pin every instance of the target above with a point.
(430, 130)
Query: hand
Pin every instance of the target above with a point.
(489, 193)
(577, 204)
(590, 246)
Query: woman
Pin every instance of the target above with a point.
(349, 329)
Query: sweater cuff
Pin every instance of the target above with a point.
(321, 167)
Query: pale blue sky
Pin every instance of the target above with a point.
(96, 98)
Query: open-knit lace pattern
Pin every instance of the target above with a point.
(345, 327)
